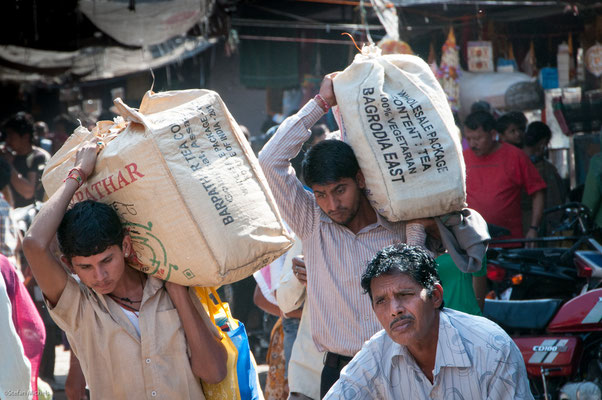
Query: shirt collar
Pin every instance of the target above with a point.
(451, 351)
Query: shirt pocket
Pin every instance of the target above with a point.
(169, 333)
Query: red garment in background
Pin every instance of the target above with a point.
(26, 318)
(494, 183)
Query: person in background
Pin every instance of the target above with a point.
(27, 161)
(26, 319)
(15, 369)
(9, 234)
(426, 351)
(63, 126)
(536, 142)
(305, 364)
(592, 190)
(495, 175)
(276, 385)
(462, 291)
(509, 131)
(42, 134)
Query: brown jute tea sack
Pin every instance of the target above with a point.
(187, 185)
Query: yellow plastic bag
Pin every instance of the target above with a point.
(241, 382)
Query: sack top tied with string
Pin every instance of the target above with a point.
(393, 112)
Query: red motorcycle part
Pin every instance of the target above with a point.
(581, 314)
(559, 355)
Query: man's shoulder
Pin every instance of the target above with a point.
(379, 345)
(476, 327)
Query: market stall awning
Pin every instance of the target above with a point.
(21, 64)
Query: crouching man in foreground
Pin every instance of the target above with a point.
(135, 336)
(426, 351)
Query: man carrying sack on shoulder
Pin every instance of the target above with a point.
(339, 229)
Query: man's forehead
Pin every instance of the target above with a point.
(331, 185)
(394, 279)
(475, 132)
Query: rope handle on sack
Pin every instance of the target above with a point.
(352, 39)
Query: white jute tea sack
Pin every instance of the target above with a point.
(395, 116)
(187, 185)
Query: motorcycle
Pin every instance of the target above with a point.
(561, 342)
(544, 272)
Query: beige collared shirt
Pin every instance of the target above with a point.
(116, 361)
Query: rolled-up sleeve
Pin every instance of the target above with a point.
(295, 203)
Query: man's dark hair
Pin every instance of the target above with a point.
(537, 131)
(480, 119)
(69, 123)
(5, 170)
(410, 260)
(21, 123)
(504, 122)
(89, 228)
(329, 161)
(519, 118)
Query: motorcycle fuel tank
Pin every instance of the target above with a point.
(581, 314)
(558, 355)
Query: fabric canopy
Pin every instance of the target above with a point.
(23, 64)
(148, 22)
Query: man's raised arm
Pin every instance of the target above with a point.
(295, 203)
(49, 274)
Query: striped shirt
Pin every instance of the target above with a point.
(475, 359)
(341, 314)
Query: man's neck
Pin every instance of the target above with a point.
(494, 148)
(364, 217)
(130, 285)
(425, 350)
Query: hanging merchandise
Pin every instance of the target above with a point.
(529, 64)
(507, 64)
(387, 15)
(480, 56)
(432, 60)
(593, 60)
(572, 69)
(562, 60)
(449, 71)
(390, 46)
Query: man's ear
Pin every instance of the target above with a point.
(360, 180)
(126, 246)
(437, 295)
(66, 261)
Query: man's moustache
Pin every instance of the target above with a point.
(398, 319)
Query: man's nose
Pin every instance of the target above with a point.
(332, 203)
(100, 273)
(396, 307)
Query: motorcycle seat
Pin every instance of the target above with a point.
(521, 314)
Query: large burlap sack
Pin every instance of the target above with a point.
(395, 116)
(189, 188)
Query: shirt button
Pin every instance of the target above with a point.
(147, 360)
(153, 393)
